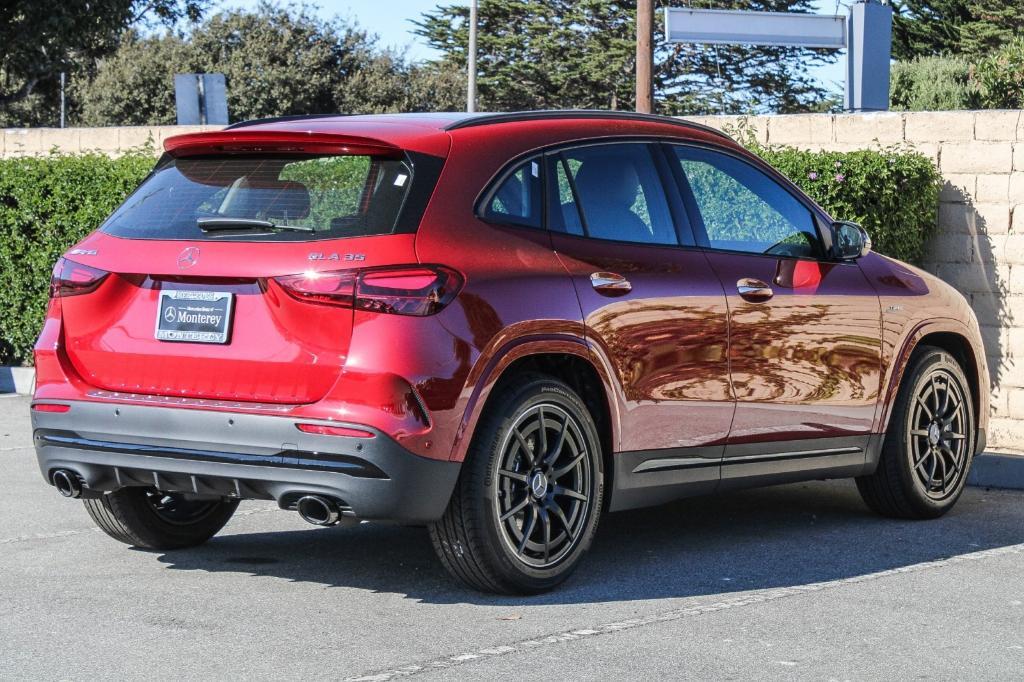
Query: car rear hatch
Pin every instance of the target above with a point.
(230, 273)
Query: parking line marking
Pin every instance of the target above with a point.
(760, 597)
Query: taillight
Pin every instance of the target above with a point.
(74, 279)
(406, 290)
(330, 288)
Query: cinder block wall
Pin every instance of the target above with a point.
(979, 247)
(113, 141)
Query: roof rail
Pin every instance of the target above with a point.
(280, 119)
(515, 116)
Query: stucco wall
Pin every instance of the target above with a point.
(979, 247)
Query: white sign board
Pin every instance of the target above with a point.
(739, 27)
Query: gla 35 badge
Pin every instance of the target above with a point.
(350, 257)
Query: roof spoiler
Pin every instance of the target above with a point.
(276, 142)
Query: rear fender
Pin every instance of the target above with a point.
(492, 365)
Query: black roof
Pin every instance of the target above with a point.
(459, 120)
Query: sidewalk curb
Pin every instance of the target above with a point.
(20, 380)
(991, 470)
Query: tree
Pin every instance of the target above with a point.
(38, 40)
(135, 85)
(277, 61)
(581, 53)
(923, 28)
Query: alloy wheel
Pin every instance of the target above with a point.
(939, 446)
(544, 486)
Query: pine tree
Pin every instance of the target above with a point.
(581, 54)
(923, 28)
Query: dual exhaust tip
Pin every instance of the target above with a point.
(314, 509)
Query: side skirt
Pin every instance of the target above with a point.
(651, 477)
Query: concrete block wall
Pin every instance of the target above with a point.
(979, 247)
(112, 141)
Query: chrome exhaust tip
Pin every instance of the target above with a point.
(67, 483)
(317, 510)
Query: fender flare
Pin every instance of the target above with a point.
(489, 369)
(901, 359)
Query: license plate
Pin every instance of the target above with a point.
(194, 316)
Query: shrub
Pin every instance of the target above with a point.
(893, 192)
(1000, 77)
(933, 84)
(46, 205)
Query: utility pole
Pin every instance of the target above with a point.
(471, 65)
(644, 56)
(62, 82)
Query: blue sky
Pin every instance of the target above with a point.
(391, 20)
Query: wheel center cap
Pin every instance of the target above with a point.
(538, 484)
(934, 434)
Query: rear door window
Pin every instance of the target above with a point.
(303, 198)
(618, 193)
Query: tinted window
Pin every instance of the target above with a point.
(563, 213)
(330, 196)
(619, 193)
(745, 210)
(517, 199)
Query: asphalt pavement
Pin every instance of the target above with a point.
(790, 582)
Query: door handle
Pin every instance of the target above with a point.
(610, 283)
(753, 290)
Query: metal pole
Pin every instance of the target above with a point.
(62, 76)
(471, 66)
(644, 56)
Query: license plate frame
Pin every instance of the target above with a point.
(182, 316)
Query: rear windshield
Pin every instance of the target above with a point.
(303, 198)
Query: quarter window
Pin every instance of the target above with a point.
(517, 199)
(745, 210)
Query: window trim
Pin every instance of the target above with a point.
(818, 215)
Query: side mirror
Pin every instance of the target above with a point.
(849, 240)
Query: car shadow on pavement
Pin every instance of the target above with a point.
(773, 537)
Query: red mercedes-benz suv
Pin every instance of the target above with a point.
(498, 326)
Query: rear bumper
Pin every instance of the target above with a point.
(247, 456)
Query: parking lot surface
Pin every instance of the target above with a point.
(798, 581)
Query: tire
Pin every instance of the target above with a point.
(144, 517)
(486, 537)
(929, 444)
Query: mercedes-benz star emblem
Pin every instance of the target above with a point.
(170, 314)
(539, 485)
(188, 257)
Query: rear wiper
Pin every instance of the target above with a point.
(219, 224)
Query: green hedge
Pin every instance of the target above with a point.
(892, 192)
(49, 203)
(46, 205)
